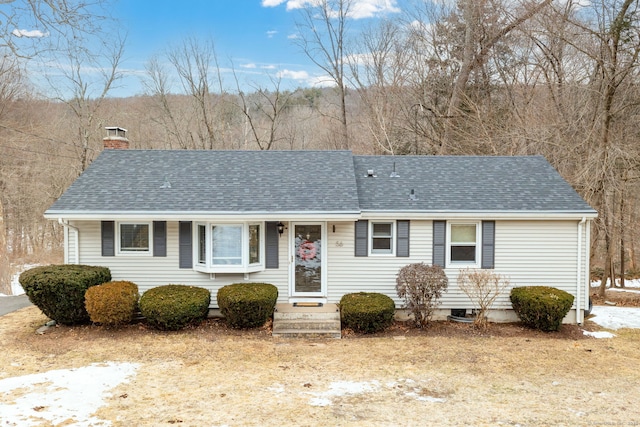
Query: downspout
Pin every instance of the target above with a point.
(579, 312)
(76, 242)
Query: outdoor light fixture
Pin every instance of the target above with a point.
(280, 226)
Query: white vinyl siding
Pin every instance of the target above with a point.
(347, 273)
(527, 252)
(70, 249)
(149, 272)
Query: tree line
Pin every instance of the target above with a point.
(489, 77)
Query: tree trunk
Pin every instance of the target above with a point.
(622, 230)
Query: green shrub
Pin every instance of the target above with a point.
(541, 307)
(58, 290)
(112, 303)
(367, 312)
(247, 305)
(172, 307)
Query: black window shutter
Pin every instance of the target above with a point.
(108, 230)
(402, 228)
(488, 244)
(439, 243)
(362, 238)
(160, 238)
(185, 245)
(271, 245)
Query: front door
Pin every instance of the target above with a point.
(308, 261)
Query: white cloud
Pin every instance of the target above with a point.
(294, 75)
(29, 33)
(293, 36)
(250, 65)
(305, 79)
(268, 67)
(371, 8)
(272, 3)
(271, 33)
(321, 81)
(359, 8)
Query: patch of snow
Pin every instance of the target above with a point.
(632, 283)
(425, 398)
(61, 396)
(16, 289)
(616, 317)
(599, 334)
(631, 291)
(277, 388)
(342, 388)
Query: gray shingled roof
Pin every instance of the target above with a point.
(464, 183)
(214, 181)
(121, 181)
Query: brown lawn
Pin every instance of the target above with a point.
(450, 374)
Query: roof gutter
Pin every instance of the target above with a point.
(67, 227)
(506, 215)
(205, 216)
(579, 290)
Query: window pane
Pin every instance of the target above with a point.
(134, 237)
(381, 245)
(381, 237)
(463, 253)
(226, 242)
(463, 233)
(202, 244)
(382, 230)
(254, 244)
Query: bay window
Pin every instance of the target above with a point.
(230, 248)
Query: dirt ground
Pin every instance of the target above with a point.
(450, 374)
(619, 299)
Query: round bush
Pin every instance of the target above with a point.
(58, 290)
(541, 307)
(247, 305)
(172, 307)
(112, 303)
(367, 312)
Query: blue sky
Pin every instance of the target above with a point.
(252, 36)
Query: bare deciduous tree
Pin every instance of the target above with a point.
(323, 30)
(483, 288)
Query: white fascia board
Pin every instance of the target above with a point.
(503, 215)
(204, 216)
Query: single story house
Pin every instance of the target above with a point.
(320, 224)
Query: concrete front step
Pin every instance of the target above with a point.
(301, 333)
(310, 324)
(306, 322)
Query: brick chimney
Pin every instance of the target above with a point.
(116, 139)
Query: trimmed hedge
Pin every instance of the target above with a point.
(58, 290)
(541, 307)
(367, 312)
(247, 305)
(173, 307)
(112, 303)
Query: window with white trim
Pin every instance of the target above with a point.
(462, 244)
(382, 236)
(229, 248)
(134, 238)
